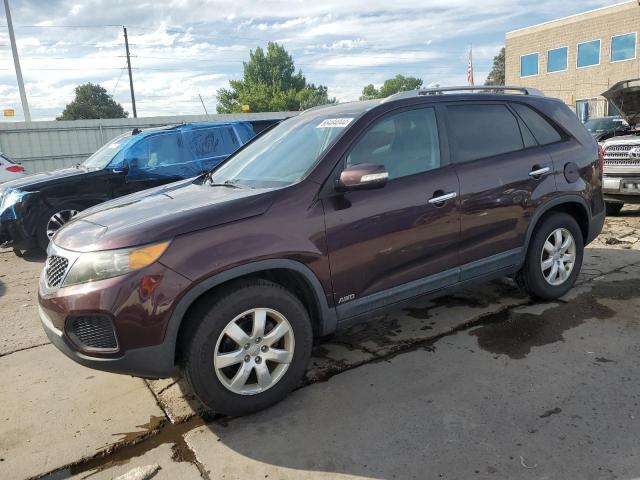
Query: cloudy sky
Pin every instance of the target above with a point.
(182, 48)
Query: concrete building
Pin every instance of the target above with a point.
(577, 58)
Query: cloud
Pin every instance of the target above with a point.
(182, 48)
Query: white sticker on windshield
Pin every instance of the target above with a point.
(335, 123)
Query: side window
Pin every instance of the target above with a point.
(479, 131)
(212, 142)
(156, 151)
(165, 150)
(137, 156)
(406, 143)
(544, 132)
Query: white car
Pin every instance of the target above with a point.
(9, 170)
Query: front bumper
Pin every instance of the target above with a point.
(621, 189)
(13, 234)
(147, 362)
(138, 306)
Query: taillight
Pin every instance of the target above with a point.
(600, 159)
(15, 169)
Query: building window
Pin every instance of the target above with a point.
(589, 107)
(588, 54)
(529, 65)
(623, 47)
(557, 59)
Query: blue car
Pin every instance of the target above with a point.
(33, 208)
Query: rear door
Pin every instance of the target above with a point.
(209, 146)
(392, 243)
(504, 174)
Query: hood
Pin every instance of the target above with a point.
(37, 180)
(160, 214)
(625, 96)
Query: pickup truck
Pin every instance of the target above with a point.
(621, 181)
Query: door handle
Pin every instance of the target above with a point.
(538, 172)
(443, 198)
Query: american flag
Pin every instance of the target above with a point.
(470, 68)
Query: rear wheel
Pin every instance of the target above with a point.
(52, 221)
(553, 259)
(248, 348)
(613, 208)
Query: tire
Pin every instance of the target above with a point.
(613, 209)
(533, 278)
(207, 338)
(42, 236)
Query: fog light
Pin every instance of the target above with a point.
(92, 333)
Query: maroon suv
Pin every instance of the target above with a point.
(323, 220)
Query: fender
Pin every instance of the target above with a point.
(544, 209)
(328, 318)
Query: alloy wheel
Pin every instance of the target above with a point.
(254, 351)
(558, 256)
(59, 219)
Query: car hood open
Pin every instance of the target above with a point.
(160, 214)
(625, 96)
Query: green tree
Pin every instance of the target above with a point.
(399, 83)
(92, 101)
(270, 83)
(496, 75)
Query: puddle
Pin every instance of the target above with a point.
(160, 432)
(515, 334)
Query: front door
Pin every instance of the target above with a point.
(395, 242)
(151, 162)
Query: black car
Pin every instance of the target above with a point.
(606, 127)
(33, 208)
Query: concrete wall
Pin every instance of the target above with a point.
(42, 146)
(575, 84)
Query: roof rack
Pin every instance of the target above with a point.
(480, 89)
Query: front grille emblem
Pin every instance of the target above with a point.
(634, 152)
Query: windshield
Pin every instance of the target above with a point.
(103, 156)
(603, 124)
(283, 155)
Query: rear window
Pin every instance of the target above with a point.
(480, 131)
(544, 132)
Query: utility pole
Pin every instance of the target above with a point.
(126, 44)
(205, 108)
(16, 62)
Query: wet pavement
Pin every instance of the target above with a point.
(484, 383)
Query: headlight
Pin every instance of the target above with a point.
(10, 198)
(112, 263)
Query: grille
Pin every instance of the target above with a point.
(92, 332)
(55, 270)
(619, 155)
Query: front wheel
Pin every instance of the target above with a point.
(553, 259)
(52, 221)
(248, 348)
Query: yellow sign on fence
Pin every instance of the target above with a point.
(9, 112)
(245, 108)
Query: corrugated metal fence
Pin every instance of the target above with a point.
(41, 146)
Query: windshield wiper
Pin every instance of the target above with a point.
(226, 183)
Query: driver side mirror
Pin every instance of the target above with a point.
(365, 176)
